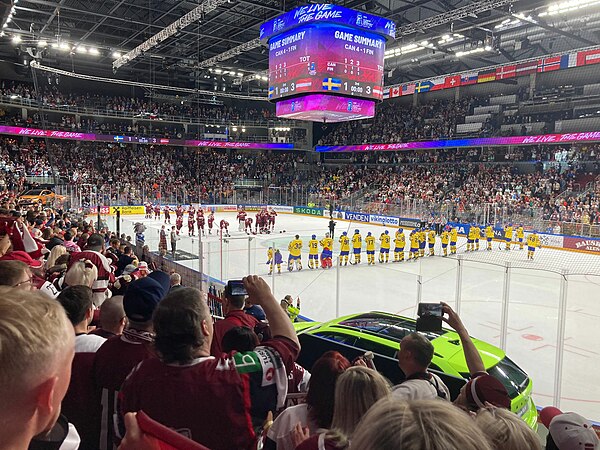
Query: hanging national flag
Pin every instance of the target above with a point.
(587, 57)
(386, 93)
(527, 68)
(568, 60)
(332, 84)
(395, 91)
(377, 91)
(486, 75)
(408, 89)
(468, 78)
(509, 71)
(303, 84)
(423, 86)
(271, 91)
(549, 64)
(438, 83)
(452, 81)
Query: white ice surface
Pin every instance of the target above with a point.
(534, 295)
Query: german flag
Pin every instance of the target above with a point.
(487, 75)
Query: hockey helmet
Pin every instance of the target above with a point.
(369, 233)
(344, 234)
(356, 231)
(400, 230)
(314, 236)
(387, 232)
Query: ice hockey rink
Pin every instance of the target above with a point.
(533, 289)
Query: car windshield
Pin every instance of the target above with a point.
(389, 327)
(34, 192)
(510, 375)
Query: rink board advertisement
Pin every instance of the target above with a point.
(384, 220)
(308, 211)
(356, 217)
(582, 243)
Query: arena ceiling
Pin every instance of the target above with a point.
(435, 36)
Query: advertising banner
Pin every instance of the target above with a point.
(282, 209)
(356, 217)
(227, 208)
(411, 223)
(552, 240)
(250, 207)
(581, 243)
(128, 210)
(384, 220)
(308, 211)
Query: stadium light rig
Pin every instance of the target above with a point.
(568, 6)
(193, 16)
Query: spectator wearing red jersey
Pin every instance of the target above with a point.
(235, 316)
(120, 354)
(215, 401)
(94, 253)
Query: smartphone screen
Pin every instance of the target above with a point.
(430, 309)
(237, 287)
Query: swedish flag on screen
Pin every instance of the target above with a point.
(271, 91)
(332, 84)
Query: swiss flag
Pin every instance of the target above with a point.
(452, 81)
(395, 91)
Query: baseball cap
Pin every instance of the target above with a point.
(486, 388)
(142, 297)
(22, 256)
(143, 265)
(569, 431)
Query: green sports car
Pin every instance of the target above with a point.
(381, 333)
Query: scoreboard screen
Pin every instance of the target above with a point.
(324, 107)
(326, 58)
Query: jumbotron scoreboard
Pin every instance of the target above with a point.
(326, 62)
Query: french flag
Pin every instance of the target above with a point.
(568, 60)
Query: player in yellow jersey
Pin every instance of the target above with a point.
(422, 241)
(384, 249)
(445, 240)
(431, 241)
(520, 236)
(270, 253)
(370, 240)
(471, 238)
(356, 246)
(477, 236)
(399, 244)
(414, 245)
(295, 249)
(453, 240)
(327, 252)
(533, 242)
(344, 248)
(489, 236)
(313, 253)
(508, 234)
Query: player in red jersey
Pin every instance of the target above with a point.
(257, 223)
(191, 220)
(201, 222)
(211, 219)
(241, 217)
(148, 209)
(272, 214)
(249, 225)
(179, 211)
(157, 212)
(167, 212)
(224, 225)
(179, 223)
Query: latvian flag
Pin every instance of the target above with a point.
(377, 91)
(527, 68)
(503, 72)
(395, 91)
(303, 84)
(587, 57)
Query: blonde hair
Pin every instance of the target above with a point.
(35, 336)
(505, 430)
(81, 273)
(417, 425)
(57, 250)
(356, 390)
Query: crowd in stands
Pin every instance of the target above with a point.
(459, 179)
(98, 345)
(52, 96)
